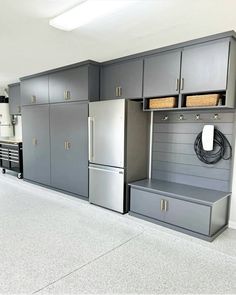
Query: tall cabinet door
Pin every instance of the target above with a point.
(36, 143)
(205, 66)
(69, 147)
(161, 74)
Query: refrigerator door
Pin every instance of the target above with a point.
(107, 132)
(106, 187)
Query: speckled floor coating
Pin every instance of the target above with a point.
(54, 243)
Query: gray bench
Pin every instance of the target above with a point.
(199, 212)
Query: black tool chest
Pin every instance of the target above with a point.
(11, 157)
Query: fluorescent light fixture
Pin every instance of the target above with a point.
(86, 12)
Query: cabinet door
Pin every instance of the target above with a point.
(122, 80)
(161, 74)
(147, 204)
(34, 90)
(69, 147)
(69, 85)
(14, 99)
(205, 67)
(192, 216)
(36, 143)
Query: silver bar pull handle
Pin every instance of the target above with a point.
(90, 139)
(177, 84)
(33, 99)
(117, 91)
(65, 145)
(165, 205)
(68, 95)
(34, 141)
(182, 84)
(162, 205)
(120, 91)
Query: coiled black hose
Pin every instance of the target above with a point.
(221, 149)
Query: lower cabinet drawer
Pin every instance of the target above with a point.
(181, 213)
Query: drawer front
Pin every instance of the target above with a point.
(147, 204)
(191, 216)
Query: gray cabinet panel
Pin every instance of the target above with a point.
(14, 99)
(36, 143)
(69, 147)
(192, 216)
(69, 85)
(34, 90)
(161, 74)
(205, 66)
(127, 76)
(146, 203)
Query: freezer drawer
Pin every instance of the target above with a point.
(106, 187)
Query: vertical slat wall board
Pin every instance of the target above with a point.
(173, 155)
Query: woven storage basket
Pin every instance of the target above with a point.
(202, 100)
(162, 103)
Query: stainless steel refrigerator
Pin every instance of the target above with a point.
(118, 151)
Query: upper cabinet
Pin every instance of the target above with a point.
(14, 99)
(162, 74)
(80, 83)
(34, 90)
(122, 80)
(205, 67)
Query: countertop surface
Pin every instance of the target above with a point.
(182, 191)
(10, 141)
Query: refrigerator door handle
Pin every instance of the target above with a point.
(90, 138)
(107, 170)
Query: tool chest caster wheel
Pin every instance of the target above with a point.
(19, 176)
(3, 171)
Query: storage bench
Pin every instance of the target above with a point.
(202, 213)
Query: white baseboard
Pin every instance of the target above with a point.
(232, 224)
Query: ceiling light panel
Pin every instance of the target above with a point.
(86, 12)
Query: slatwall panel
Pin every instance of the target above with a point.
(174, 158)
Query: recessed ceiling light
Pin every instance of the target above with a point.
(86, 12)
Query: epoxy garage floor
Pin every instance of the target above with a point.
(53, 243)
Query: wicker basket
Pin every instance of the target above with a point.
(162, 103)
(202, 100)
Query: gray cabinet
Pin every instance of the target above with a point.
(74, 84)
(162, 74)
(181, 213)
(193, 210)
(36, 145)
(69, 147)
(205, 67)
(14, 99)
(34, 90)
(122, 80)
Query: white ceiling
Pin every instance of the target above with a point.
(29, 45)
